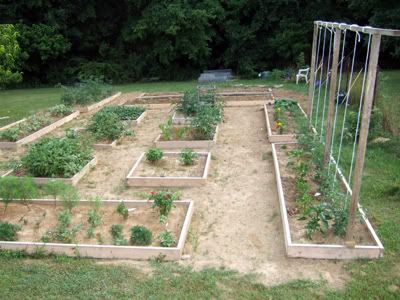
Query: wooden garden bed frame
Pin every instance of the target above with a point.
(167, 181)
(110, 251)
(72, 181)
(113, 144)
(280, 138)
(36, 135)
(97, 105)
(194, 144)
(322, 251)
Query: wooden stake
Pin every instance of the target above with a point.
(312, 71)
(332, 94)
(362, 143)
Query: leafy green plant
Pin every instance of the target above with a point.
(188, 156)
(106, 125)
(166, 129)
(54, 157)
(60, 110)
(8, 231)
(181, 133)
(205, 122)
(122, 210)
(124, 112)
(117, 235)
(166, 239)
(164, 201)
(319, 216)
(69, 197)
(153, 155)
(11, 134)
(64, 218)
(141, 236)
(85, 92)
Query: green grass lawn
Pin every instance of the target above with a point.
(17, 104)
(59, 277)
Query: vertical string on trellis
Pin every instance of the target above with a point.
(337, 101)
(359, 109)
(320, 80)
(356, 40)
(327, 80)
(314, 68)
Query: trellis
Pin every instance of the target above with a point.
(326, 64)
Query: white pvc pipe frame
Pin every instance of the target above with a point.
(358, 28)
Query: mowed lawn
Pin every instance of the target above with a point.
(24, 277)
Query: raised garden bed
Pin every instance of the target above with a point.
(187, 142)
(157, 98)
(326, 246)
(97, 105)
(288, 135)
(35, 135)
(43, 212)
(169, 171)
(72, 180)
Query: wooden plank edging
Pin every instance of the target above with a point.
(319, 251)
(110, 251)
(168, 181)
(97, 105)
(36, 135)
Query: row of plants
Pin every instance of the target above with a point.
(54, 157)
(320, 199)
(35, 122)
(284, 109)
(24, 189)
(187, 156)
(86, 92)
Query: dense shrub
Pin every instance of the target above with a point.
(125, 112)
(154, 154)
(16, 188)
(56, 157)
(85, 92)
(141, 236)
(8, 231)
(106, 125)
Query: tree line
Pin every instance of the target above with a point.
(126, 40)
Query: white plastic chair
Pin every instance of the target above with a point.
(302, 73)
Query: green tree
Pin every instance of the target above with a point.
(9, 53)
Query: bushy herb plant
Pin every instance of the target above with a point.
(8, 231)
(166, 239)
(117, 235)
(122, 210)
(153, 155)
(188, 157)
(141, 236)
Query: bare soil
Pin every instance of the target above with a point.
(36, 219)
(297, 227)
(171, 166)
(236, 222)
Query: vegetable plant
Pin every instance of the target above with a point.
(56, 157)
(16, 188)
(63, 232)
(69, 197)
(166, 129)
(106, 125)
(124, 112)
(122, 210)
(205, 122)
(94, 218)
(8, 231)
(60, 110)
(141, 236)
(85, 92)
(188, 156)
(117, 235)
(54, 188)
(166, 239)
(153, 155)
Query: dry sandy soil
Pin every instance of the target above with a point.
(236, 223)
